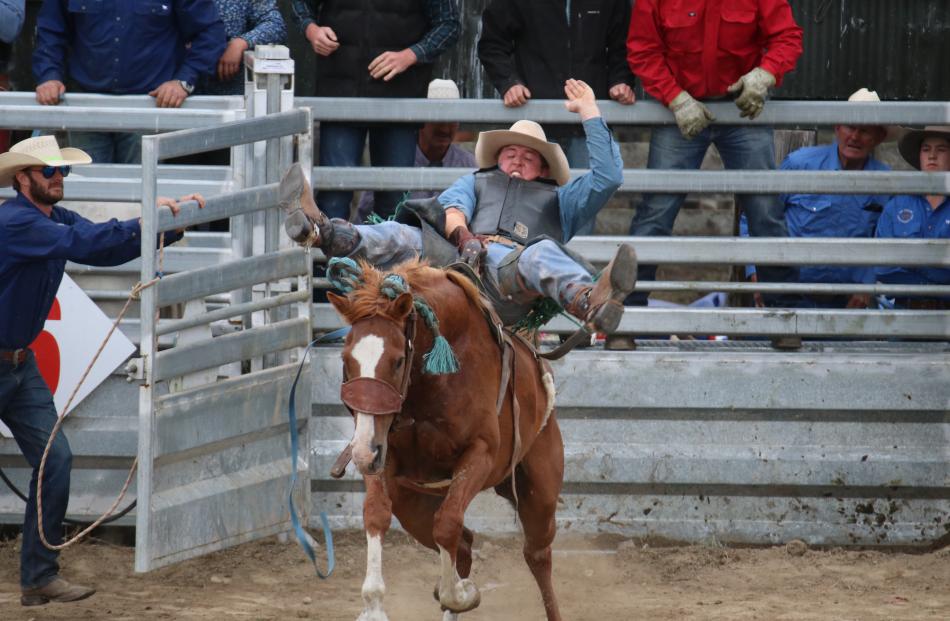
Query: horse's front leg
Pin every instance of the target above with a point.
(457, 594)
(377, 514)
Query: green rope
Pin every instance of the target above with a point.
(375, 218)
(344, 273)
(440, 360)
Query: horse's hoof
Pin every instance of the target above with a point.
(465, 597)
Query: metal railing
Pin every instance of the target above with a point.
(138, 113)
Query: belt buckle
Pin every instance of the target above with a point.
(17, 353)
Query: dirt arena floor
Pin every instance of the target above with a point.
(597, 579)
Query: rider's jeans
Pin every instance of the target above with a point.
(546, 268)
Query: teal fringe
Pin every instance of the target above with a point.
(441, 359)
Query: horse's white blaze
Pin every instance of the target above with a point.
(367, 352)
(548, 380)
(373, 586)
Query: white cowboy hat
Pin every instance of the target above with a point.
(863, 94)
(909, 145)
(526, 134)
(443, 89)
(39, 151)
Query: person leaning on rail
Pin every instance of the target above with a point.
(373, 49)
(125, 47)
(247, 24)
(693, 52)
(837, 215)
(37, 237)
(512, 216)
(919, 217)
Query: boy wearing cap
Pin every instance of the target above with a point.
(920, 217)
(37, 237)
(512, 215)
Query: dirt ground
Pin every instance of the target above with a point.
(597, 579)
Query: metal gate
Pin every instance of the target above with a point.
(213, 448)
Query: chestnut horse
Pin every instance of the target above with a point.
(428, 441)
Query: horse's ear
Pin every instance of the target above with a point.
(402, 306)
(339, 302)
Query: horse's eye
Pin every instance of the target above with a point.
(399, 362)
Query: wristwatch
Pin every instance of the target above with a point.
(189, 88)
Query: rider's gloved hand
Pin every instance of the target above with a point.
(471, 249)
(692, 117)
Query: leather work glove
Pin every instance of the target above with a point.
(752, 89)
(692, 117)
(471, 249)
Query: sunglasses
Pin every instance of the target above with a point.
(49, 171)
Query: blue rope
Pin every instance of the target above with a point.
(302, 537)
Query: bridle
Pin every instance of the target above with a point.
(376, 397)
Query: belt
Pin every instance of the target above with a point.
(501, 239)
(14, 356)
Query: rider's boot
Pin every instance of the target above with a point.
(306, 224)
(601, 305)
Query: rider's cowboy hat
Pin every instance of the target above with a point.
(526, 134)
(909, 146)
(893, 132)
(39, 151)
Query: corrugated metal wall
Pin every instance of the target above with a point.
(897, 47)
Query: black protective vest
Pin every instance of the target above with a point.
(366, 29)
(520, 210)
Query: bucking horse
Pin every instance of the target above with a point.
(446, 404)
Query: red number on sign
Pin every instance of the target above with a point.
(47, 351)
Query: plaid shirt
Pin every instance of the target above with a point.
(443, 15)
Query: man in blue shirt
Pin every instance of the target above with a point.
(513, 215)
(125, 47)
(919, 217)
(838, 215)
(12, 13)
(37, 237)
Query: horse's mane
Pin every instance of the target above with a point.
(368, 300)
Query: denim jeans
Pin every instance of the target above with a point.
(109, 147)
(546, 268)
(342, 145)
(26, 407)
(741, 148)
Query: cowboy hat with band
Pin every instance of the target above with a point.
(38, 151)
(524, 134)
(909, 145)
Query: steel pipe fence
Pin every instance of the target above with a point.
(662, 181)
(775, 114)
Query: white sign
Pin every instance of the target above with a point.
(73, 332)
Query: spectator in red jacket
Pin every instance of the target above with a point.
(686, 52)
